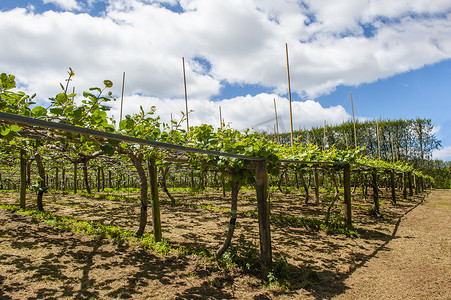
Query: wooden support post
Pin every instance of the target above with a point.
(409, 174)
(404, 185)
(23, 178)
(263, 216)
(63, 179)
(347, 192)
(186, 96)
(98, 179)
(75, 178)
(56, 187)
(375, 192)
(416, 184)
(393, 187)
(316, 183)
(353, 121)
(155, 201)
(289, 95)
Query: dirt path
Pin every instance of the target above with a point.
(416, 263)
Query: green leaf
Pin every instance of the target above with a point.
(95, 89)
(57, 110)
(107, 149)
(61, 98)
(5, 131)
(15, 128)
(38, 111)
(108, 83)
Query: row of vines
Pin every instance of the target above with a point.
(97, 153)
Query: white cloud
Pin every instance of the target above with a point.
(71, 5)
(241, 112)
(442, 154)
(241, 41)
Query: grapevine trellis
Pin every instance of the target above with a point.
(241, 157)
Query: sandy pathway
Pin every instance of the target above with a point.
(416, 264)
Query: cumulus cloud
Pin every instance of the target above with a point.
(242, 112)
(224, 42)
(442, 154)
(71, 5)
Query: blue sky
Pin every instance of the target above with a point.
(394, 56)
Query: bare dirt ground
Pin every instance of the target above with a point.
(396, 255)
(416, 263)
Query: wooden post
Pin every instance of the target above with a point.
(378, 140)
(277, 122)
(404, 185)
(186, 95)
(347, 192)
(23, 178)
(56, 178)
(122, 96)
(375, 192)
(75, 178)
(220, 117)
(393, 187)
(409, 177)
(316, 183)
(98, 179)
(155, 201)
(263, 216)
(63, 179)
(353, 120)
(289, 94)
(324, 136)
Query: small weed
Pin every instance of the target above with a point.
(280, 273)
(244, 255)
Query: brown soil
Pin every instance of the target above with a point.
(395, 255)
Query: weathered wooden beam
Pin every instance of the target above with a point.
(375, 192)
(347, 194)
(393, 187)
(23, 178)
(155, 200)
(262, 190)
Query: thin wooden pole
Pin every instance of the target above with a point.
(277, 122)
(186, 95)
(220, 117)
(392, 185)
(122, 95)
(324, 136)
(23, 178)
(347, 194)
(289, 94)
(171, 122)
(392, 148)
(155, 201)
(353, 120)
(375, 192)
(378, 139)
(263, 209)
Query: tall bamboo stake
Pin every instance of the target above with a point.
(277, 122)
(289, 93)
(378, 139)
(220, 117)
(353, 120)
(186, 96)
(392, 148)
(122, 95)
(324, 137)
